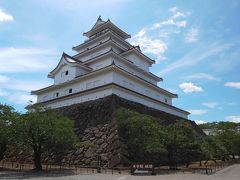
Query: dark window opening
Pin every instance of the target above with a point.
(57, 94)
(66, 72)
(165, 100)
(70, 90)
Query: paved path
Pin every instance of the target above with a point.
(229, 173)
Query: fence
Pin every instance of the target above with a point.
(204, 169)
(61, 168)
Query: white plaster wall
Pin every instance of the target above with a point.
(92, 44)
(60, 76)
(80, 71)
(94, 54)
(133, 71)
(119, 41)
(149, 103)
(138, 61)
(100, 93)
(140, 88)
(81, 98)
(100, 63)
(81, 85)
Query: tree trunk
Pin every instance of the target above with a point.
(172, 162)
(3, 148)
(37, 158)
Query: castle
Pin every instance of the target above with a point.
(106, 64)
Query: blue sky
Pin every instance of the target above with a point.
(196, 45)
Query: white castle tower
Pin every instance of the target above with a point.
(106, 64)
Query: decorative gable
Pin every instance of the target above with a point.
(67, 69)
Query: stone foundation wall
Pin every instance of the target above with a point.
(97, 128)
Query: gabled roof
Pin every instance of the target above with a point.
(101, 44)
(98, 23)
(70, 61)
(101, 25)
(136, 49)
(99, 38)
(111, 51)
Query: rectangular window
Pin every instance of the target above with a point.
(165, 100)
(70, 91)
(57, 94)
(64, 73)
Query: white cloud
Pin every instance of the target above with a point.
(197, 111)
(3, 79)
(210, 104)
(200, 122)
(169, 22)
(149, 45)
(173, 9)
(154, 39)
(26, 59)
(201, 76)
(191, 35)
(5, 17)
(235, 119)
(190, 87)
(21, 98)
(196, 56)
(233, 84)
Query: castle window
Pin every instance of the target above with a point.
(70, 91)
(66, 73)
(57, 94)
(165, 100)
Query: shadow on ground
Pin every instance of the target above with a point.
(8, 174)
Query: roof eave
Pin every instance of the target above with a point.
(149, 60)
(93, 31)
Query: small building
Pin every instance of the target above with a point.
(103, 65)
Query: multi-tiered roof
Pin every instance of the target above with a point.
(107, 43)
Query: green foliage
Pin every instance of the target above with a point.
(8, 120)
(229, 139)
(183, 143)
(225, 140)
(143, 133)
(41, 131)
(46, 131)
(219, 125)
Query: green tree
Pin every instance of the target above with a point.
(224, 141)
(183, 144)
(143, 134)
(46, 131)
(212, 149)
(229, 137)
(8, 120)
